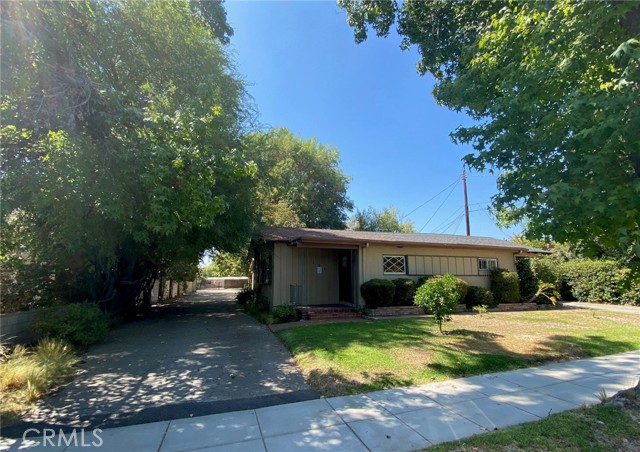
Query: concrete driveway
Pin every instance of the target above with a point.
(197, 355)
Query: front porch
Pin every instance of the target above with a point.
(329, 312)
(315, 277)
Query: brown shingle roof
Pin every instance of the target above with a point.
(361, 237)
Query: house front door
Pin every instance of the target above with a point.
(345, 276)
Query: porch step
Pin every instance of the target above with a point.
(328, 313)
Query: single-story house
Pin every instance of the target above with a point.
(308, 267)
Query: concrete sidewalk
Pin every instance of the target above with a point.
(402, 419)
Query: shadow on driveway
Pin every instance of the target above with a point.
(196, 355)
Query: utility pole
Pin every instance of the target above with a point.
(466, 201)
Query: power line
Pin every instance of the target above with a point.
(441, 204)
(450, 217)
(443, 228)
(432, 198)
(457, 226)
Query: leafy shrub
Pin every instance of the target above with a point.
(245, 296)
(547, 270)
(526, 278)
(631, 294)
(404, 292)
(421, 280)
(546, 294)
(463, 289)
(505, 286)
(378, 292)
(80, 324)
(480, 309)
(478, 296)
(439, 296)
(284, 313)
(463, 286)
(595, 281)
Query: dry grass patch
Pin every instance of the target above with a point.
(349, 358)
(26, 375)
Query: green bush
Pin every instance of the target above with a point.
(478, 296)
(595, 281)
(526, 278)
(421, 280)
(505, 286)
(80, 324)
(378, 292)
(404, 292)
(547, 270)
(631, 290)
(284, 313)
(439, 296)
(463, 286)
(245, 296)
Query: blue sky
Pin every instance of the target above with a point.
(306, 73)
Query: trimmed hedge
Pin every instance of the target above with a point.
(405, 291)
(378, 292)
(505, 286)
(597, 281)
(526, 278)
(477, 296)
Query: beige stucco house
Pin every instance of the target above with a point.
(308, 267)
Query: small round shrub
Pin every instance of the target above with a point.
(439, 296)
(284, 313)
(80, 324)
(526, 278)
(378, 292)
(463, 286)
(404, 292)
(505, 286)
(478, 296)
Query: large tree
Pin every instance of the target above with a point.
(387, 219)
(121, 127)
(299, 181)
(553, 88)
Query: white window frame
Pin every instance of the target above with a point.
(490, 263)
(388, 257)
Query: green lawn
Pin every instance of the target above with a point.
(598, 428)
(348, 358)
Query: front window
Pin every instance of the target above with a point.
(486, 265)
(394, 265)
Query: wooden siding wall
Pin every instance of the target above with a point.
(297, 266)
(439, 265)
(462, 262)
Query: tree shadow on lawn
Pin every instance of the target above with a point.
(331, 383)
(460, 353)
(334, 338)
(477, 359)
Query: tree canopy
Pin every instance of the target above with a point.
(387, 219)
(121, 146)
(299, 181)
(553, 89)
